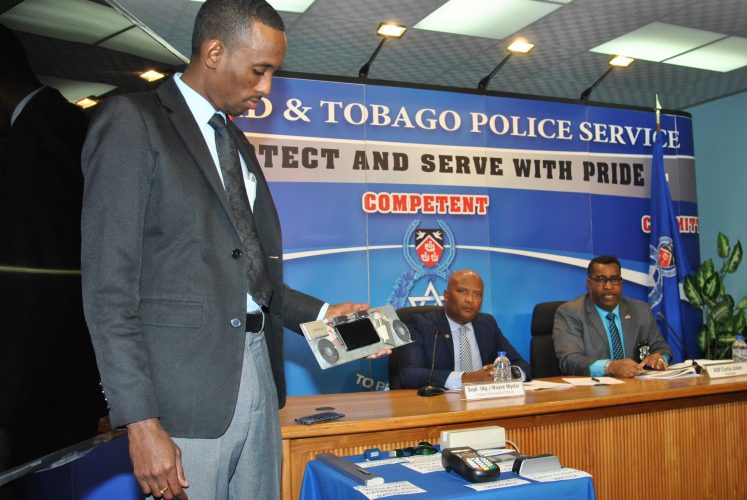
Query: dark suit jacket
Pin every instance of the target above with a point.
(414, 360)
(580, 338)
(162, 290)
(49, 385)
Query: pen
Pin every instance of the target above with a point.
(595, 379)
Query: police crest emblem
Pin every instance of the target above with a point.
(661, 265)
(435, 250)
(429, 245)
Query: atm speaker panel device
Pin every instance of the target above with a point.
(339, 340)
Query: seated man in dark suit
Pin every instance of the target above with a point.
(455, 363)
(588, 330)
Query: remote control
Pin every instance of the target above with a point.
(319, 417)
(466, 462)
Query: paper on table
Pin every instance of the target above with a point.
(389, 489)
(501, 483)
(424, 463)
(557, 475)
(590, 381)
(537, 385)
(688, 371)
(384, 461)
(700, 362)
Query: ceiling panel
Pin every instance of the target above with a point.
(335, 38)
(406, 12)
(485, 18)
(725, 55)
(721, 16)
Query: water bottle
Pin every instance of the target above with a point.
(738, 349)
(501, 368)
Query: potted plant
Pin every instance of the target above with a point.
(705, 289)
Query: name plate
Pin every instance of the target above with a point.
(726, 369)
(487, 390)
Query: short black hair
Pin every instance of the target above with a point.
(225, 20)
(602, 259)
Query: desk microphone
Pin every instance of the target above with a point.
(428, 390)
(672, 332)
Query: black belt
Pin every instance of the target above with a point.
(255, 321)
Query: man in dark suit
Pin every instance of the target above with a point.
(182, 267)
(600, 332)
(49, 385)
(459, 321)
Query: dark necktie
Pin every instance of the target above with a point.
(258, 278)
(465, 352)
(617, 347)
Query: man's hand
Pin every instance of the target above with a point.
(379, 354)
(344, 308)
(656, 361)
(485, 374)
(157, 460)
(624, 368)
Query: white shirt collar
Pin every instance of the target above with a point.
(454, 326)
(200, 107)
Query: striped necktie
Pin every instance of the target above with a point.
(465, 352)
(617, 347)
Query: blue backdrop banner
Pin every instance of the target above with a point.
(522, 191)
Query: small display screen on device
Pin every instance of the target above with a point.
(358, 333)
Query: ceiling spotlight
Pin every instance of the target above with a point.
(518, 46)
(621, 61)
(615, 62)
(151, 75)
(385, 31)
(391, 30)
(87, 102)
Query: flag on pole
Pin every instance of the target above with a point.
(667, 263)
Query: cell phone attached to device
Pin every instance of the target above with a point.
(316, 418)
(341, 339)
(357, 334)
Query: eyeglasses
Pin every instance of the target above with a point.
(602, 280)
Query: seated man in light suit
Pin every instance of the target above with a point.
(460, 318)
(588, 329)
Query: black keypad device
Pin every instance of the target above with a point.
(472, 466)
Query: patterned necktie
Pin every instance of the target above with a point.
(617, 347)
(258, 278)
(465, 353)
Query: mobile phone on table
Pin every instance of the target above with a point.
(325, 416)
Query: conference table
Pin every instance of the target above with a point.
(679, 438)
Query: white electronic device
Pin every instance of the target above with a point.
(341, 339)
(536, 464)
(478, 438)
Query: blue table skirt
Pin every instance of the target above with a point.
(322, 482)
